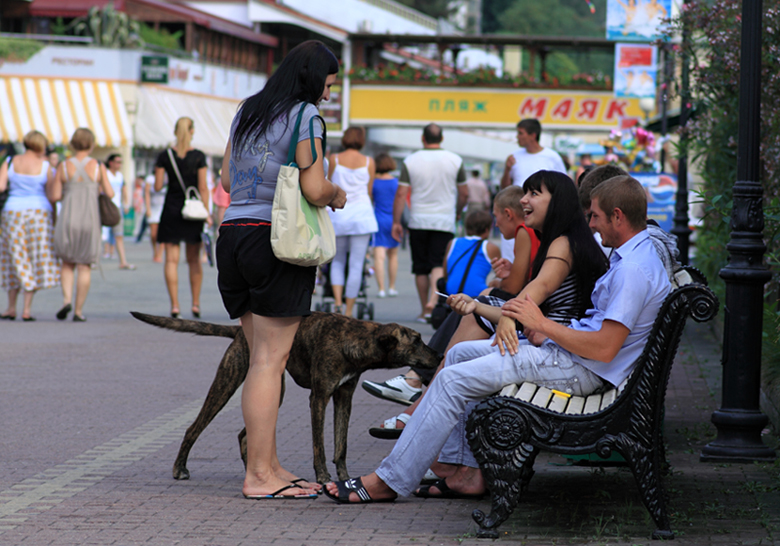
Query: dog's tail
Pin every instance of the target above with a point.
(194, 326)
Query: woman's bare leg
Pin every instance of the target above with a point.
(83, 280)
(66, 280)
(28, 299)
(392, 266)
(171, 271)
(269, 349)
(379, 266)
(196, 273)
(13, 295)
(157, 251)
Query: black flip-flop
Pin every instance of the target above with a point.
(276, 495)
(8, 317)
(352, 486)
(28, 319)
(63, 313)
(296, 481)
(445, 492)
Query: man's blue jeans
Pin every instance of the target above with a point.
(473, 370)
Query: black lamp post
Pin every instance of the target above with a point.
(739, 420)
(681, 228)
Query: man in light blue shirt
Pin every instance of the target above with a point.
(595, 352)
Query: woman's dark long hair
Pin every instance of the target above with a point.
(565, 217)
(300, 77)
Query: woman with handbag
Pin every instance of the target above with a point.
(27, 261)
(187, 189)
(77, 235)
(270, 295)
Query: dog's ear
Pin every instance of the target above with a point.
(387, 342)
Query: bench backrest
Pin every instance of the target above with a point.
(652, 369)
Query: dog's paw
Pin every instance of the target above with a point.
(181, 473)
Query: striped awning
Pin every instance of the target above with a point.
(57, 107)
(159, 108)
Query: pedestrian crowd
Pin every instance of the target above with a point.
(567, 301)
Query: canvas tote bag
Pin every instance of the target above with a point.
(301, 233)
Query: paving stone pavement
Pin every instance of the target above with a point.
(93, 414)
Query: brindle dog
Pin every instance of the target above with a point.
(328, 355)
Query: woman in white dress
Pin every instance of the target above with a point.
(354, 224)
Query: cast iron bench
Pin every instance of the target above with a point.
(507, 430)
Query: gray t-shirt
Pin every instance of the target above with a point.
(254, 169)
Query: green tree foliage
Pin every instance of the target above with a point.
(162, 37)
(432, 8)
(15, 49)
(554, 18)
(108, 27)
(714, 54)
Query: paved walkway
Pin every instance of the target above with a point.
(93, 414)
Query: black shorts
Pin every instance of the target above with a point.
(428, 248)
(251, 278)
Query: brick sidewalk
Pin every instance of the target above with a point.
(94, 414)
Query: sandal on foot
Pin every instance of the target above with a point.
(129, 267)
(353, 486)
(196, 314)
(430, 478)
(62, 314)
(28, 319)
(79, 318)
(8, 317)
(390, 430)
(278, 495)
(445, 492)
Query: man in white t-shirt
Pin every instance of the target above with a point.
(525, 161)
(439, 190)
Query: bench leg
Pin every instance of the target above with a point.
(647, 466)
(505, 481)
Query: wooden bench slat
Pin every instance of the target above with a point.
(558, 403)
(592, 404)
(542, 397)
(526, 392)
(607, 398)
(509, 390)
(576, 404)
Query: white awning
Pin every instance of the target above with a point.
(160, 107)
(57, 107)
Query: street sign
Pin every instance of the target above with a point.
(154, 69)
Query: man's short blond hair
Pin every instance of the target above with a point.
(509, 198)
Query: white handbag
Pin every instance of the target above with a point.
(193, 208)
(301, 233)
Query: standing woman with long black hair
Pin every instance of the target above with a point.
(184, 166)
(268, 295)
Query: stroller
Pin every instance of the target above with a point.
(363, 308)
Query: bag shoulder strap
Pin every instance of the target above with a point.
(296, 134)
(450, 268)
(468, 266)
(176, 170)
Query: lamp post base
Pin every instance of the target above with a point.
(739, 438)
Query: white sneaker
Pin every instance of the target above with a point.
(396, 389)
(392, 292)
(381, 294)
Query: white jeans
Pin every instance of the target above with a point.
(473, 370)
(356, 246)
